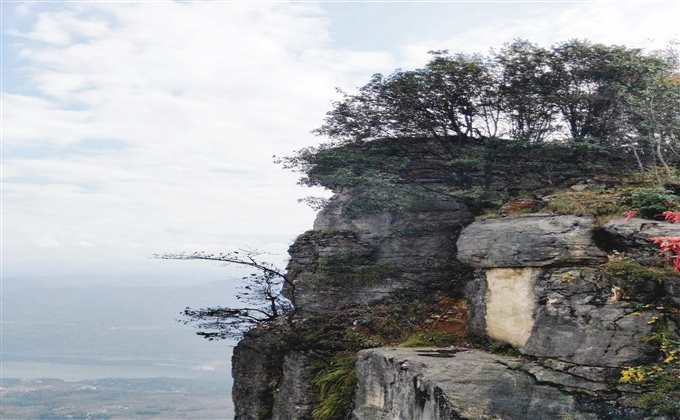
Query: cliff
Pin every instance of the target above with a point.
(509, 297)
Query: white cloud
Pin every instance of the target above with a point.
(621, 23)
(61, 28)
(198, 96)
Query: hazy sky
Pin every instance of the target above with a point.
(133, 128)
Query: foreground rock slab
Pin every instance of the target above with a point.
(452, 384)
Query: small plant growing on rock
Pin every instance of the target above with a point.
(335, 379)
(669, 245)
(660, 382)
(430, 339)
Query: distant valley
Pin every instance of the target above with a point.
(92, 334)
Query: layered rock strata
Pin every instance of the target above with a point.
(534, 289)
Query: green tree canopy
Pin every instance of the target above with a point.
(574, 92)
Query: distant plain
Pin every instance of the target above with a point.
(97, 333)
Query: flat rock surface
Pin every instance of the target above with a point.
(529, 241)
(434, 384)
(633, 236)
(642, 229)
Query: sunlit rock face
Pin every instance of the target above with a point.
(450, 384)
(510, 304)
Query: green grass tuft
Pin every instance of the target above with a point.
(429, 339)
(336, 381)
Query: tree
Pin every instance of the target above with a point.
(592, 83)
(525, 86)
(447, 100)
(655, 118)
(261, 292)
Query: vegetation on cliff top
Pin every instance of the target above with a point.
(575, 100)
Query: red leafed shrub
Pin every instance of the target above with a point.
(630, 214)
(669, 245)
(673, 216)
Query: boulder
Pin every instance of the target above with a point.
(574, 314)
(635, 233)
(529, 241)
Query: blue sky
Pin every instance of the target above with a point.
(136, 128)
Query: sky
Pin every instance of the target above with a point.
(135, 128)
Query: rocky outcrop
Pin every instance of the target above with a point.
(257, 364)
(632, 237)
(575, 314)
(582, 320)
(536, 282)
(634, 234)
(345, 262)
(451, 384)
(530, 241)
(324, 271)
(538, 285)
(295, 396)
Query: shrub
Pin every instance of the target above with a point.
(651, 202)
(631, 270)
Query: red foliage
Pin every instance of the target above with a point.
(673, 216)
(669, 245)
(630, 214)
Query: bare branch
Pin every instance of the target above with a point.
(262, 289)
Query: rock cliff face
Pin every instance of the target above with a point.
(550, 286)
(394, 250)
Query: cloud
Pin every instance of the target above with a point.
(195, 97)
(622, 23)
(60, 28)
